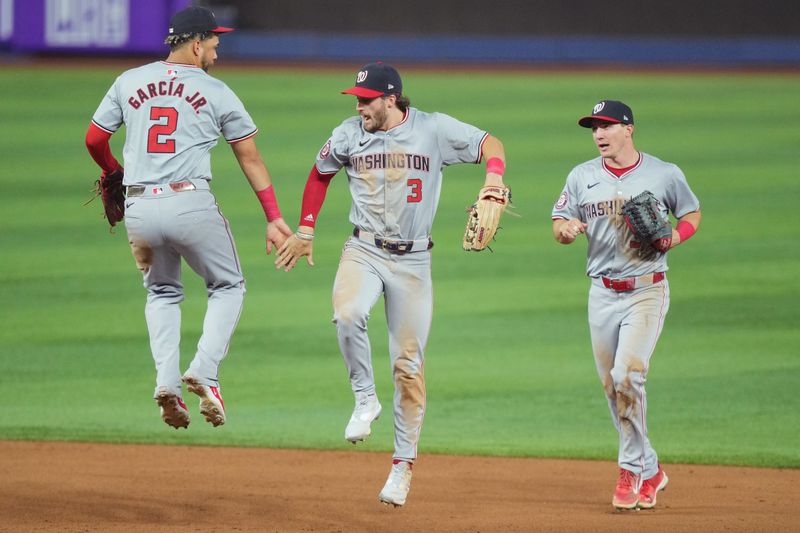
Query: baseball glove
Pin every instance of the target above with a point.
(650, 226)
(110, 189)
(484, 217)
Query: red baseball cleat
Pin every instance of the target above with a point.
(211, 405)
(173, 410)
(625, 495)
(650, 488)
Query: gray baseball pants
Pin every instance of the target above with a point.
(625, 327)
(163, 227)
(365, 272)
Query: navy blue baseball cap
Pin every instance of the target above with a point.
(195, 20)
(610, 111)
(376, 79)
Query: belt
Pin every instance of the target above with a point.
(628, 284)
(155, 190)
(393, 246)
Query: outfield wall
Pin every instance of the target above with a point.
(714, 32)
(480, 49)
(534, 32)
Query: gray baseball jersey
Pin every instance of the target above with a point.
(395, 179)
(395, 176)
(594, 195)
(625, 326)
(173, 116)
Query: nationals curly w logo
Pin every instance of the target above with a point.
(362, 75)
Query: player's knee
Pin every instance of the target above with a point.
(408, 361)
(232, 290)
(626, 377)
(408, 376)
(619, 378)
(350, 318)
(627, 389)
(165, 292)
(406, 368)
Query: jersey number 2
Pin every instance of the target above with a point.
(416, 190)
(165, 146)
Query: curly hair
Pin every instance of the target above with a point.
(176, 41)
(402, 102)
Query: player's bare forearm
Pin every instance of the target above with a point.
(692, 218)
(566, 231)
(252, 165)
(493, 149)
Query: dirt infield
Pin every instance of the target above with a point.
(74, 487)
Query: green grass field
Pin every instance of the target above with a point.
(509, 367)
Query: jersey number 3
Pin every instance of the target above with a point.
(416, 190)
(156, 145)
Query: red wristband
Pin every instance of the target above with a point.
(269, 203)
(685, 230)
(495, 165)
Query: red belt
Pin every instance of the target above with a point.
(628, 284)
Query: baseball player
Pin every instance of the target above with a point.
(393, 155)
(174, 113)
(629, 293)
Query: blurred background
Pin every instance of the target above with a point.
(571, 32)
(509, 370)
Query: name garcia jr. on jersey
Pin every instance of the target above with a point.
(165, 88)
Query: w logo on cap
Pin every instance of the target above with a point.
(362, 75)
(599, 107)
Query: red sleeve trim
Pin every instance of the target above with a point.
(110, 132)
(97, 143)
(480, 148)
(314, 196)
(240, 139)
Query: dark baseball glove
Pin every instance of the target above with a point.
(649, 225)
(483, 218)
(110, 189)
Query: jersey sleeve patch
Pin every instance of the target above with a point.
(326, 150)
(562, 200)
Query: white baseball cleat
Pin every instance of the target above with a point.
(211, 405)
(397, 486)
(366, 411)
(173, 410)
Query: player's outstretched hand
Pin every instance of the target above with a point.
(277, 233)
(292, 250)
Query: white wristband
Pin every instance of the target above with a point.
(304, 236)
